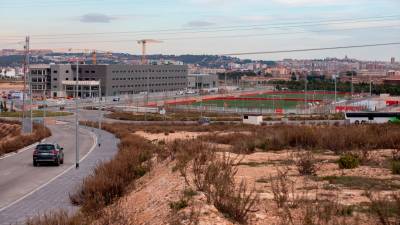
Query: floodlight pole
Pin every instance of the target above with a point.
(76, 116)
(30, 85)
(101, 114)
(335, 78)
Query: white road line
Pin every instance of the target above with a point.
(54, 178)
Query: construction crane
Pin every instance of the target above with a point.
(144, 42)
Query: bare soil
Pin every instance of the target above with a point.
(150, 202)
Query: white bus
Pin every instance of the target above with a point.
(372, 117)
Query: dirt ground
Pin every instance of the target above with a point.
(11, 86)
(150, 202)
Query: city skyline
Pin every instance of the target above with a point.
(207, 26)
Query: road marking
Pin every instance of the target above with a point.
(54, 178)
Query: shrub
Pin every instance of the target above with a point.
(178, 205)
(306, 163)
(20, 141)
(385, 209)
(348, 161)
(60, 217)
(396, 167)
(110, 180)
(214, 175)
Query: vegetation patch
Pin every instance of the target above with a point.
(348, 161)
(362, 183)
(35, 113)
(12, 139)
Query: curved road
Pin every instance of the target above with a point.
(26, 191)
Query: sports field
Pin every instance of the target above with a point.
(272, 100)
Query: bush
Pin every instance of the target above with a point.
(348, 161)
(396, 167)
(178, 205)
(386, 209)
(110, 180)
(57, 218)
(306, 163)
(19, 141)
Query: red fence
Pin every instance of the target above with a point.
(262, 99)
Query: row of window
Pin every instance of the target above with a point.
(82, 78)
(149, 71)
(145, 85)
(145, 78)
(38, 72)
(80, 71)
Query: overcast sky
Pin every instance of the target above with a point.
(206, 26)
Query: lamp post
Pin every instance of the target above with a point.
(76, 116)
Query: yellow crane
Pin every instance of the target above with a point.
(144, 43)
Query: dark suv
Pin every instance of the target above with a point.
(48, 153)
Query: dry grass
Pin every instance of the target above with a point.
(14, 141)
(174, 116)
(214, 175)
(335, 138)
(110, 180)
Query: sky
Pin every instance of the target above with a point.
(206, 26)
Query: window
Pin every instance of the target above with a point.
(93, 71)
(67, 78)
(55, 71)
(54, 86)
(67, 71)
(87, 71)
(55, 79)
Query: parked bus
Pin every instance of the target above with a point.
(372, 117)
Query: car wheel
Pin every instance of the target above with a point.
(58, 162)
(35, 164)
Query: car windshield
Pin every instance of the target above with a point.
(45, 147)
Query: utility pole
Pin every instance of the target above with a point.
(44, 98)
(147, 96)
(76, 116)
(27, 125)
(335, 78)
(100, 112)
(370, 86)
(305, 94)
(352, 88)
(24, 91)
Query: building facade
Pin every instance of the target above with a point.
(110, 80)
(200, 81)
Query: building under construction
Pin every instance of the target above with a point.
(60, 80)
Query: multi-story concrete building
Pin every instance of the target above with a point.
(200, 81)
(60, 80)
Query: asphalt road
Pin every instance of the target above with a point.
(17, 174)
(54, 195)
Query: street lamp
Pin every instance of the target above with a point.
(76, 116)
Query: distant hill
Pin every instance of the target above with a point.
(213, 61)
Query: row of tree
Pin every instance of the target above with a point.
(329, 85)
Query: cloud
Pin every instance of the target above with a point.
(96, 18)
(199, 24)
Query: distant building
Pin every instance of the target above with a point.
(372, 73)
(200, 81)
(253, 119)
(392, 80)
(60, 80)
(392, 60)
